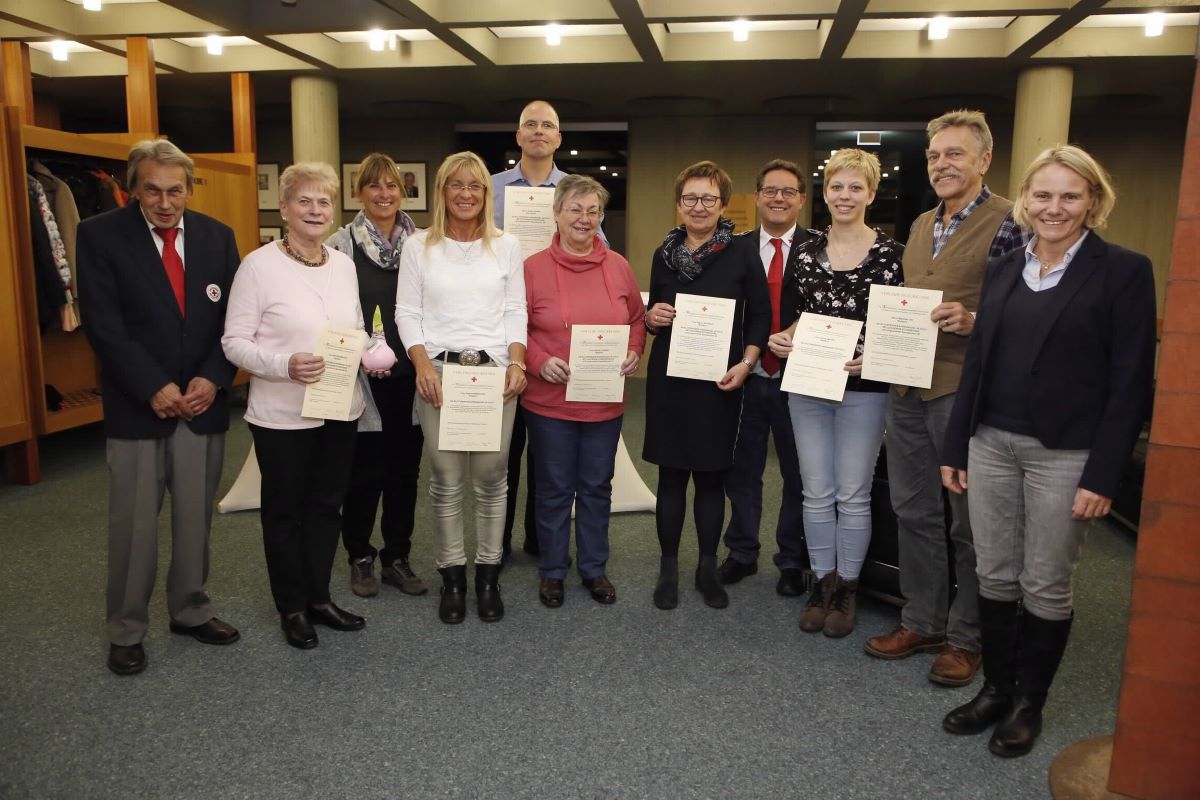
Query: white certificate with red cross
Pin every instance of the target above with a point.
(901, 338)
(821, 346)
(529, 215)
(332, 396)
(597, 352)
(700, 336)
(472, 413)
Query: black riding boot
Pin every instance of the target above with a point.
(998, 621)
(1042, 644)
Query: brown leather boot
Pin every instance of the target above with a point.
(812, 618)
(840, 619)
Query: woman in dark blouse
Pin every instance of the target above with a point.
(691, 425)
(838, 442)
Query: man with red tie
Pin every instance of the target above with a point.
(153, 280)
(779, 196)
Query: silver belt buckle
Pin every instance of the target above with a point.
(468, 358)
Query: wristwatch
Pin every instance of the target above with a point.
(748, 363)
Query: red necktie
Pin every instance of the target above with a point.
(174, 264)
(770, 363)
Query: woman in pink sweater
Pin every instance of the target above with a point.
(576, 281)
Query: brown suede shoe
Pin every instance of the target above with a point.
(902, 643)
(812, 618)
(954, 666)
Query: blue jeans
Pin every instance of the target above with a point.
(764, 413)
(574, 463)
(838, 444)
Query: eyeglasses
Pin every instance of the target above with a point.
(707, 200)
(590, 213)
(533, 125)
(773, 191)
(473, 188)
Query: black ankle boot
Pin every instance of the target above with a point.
(487, 592)
(709, 584)
(453, 607)
(666, 591)
(1042, 644)
(998, 620)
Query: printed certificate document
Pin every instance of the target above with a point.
(596, 355)
(472, 408)
(821, 346)
(700, 337)
(333, 393)
(529, 215)
(901, 338)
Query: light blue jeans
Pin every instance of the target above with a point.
(838, 444)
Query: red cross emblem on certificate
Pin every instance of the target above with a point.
(903, 302)
(474, 379)
(828, 326)
(600, 337)
(341, 340)
(704, 308)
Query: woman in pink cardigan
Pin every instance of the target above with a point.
(576, 281)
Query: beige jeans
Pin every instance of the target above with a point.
(450, 471)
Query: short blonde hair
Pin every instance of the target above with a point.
(308, 173)
(709, 170)
(974, 121)
(374, 167)
(853, 159)
(478, 171)
(1082, 164)
(160, 151)
(574, 185)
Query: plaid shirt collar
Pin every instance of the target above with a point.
(942, 232)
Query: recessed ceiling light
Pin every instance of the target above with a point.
(816, 174)
(939, 28)
(615, 174)
(887, 174)
(213, 43)
(1154, 24)
(603, 168)
(512, 161)
(574, 152)
(741, 30)
(553, 35)
(376, 39)
(896, 168)
(832, 153)
(91, 5)
(820, 166)
(58, 50)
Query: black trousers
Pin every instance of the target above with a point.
(515, 450)
(708, 508)
(304, 477)
(387, 463)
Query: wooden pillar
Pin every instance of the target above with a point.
(1157, 737)
(141, 86)
(245, 138)
(315, 121)
(18, 80)
(1042, 118)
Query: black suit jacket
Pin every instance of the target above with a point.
(134, 323)
(1093, 366)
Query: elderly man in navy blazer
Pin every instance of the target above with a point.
(153, 280)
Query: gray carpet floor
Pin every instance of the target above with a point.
(585, 701)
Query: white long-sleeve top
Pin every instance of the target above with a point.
(277, 307)
(453, 297)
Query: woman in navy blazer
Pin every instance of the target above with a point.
(1055, 389)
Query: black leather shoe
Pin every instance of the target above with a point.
(298, 631)
(126, 659)
(212, 632)
(487, 592)
(988, 707)
(732, 570)
(336, 618)
(791, 582)
(601, 589)
(550, 592)
(453, 606)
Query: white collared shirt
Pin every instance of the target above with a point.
(158, 240)
(766, 251)
(1033, 267)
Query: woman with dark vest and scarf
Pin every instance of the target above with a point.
(1055, 388)
(387, 453)
(691, 425)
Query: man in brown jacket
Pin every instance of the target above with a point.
(948, 249)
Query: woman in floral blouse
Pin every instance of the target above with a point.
(838, 442)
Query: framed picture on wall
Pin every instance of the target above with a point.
(267, 235)
(349, 176)
(268, 187)
(412, 182)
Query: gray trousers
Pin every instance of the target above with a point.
(139, 471)
(449, 472)
(1021, 494)
(915, 432)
